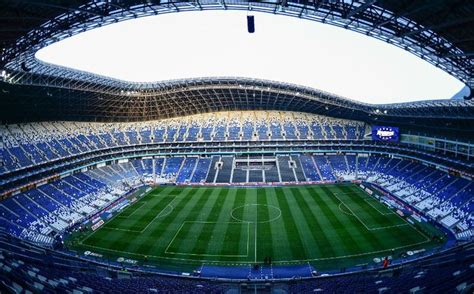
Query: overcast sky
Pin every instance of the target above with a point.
(216, 43)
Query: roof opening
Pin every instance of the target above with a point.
(285, 49)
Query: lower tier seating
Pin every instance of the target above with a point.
(25, 268)
(40, 213)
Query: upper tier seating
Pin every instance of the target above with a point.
(35, 143)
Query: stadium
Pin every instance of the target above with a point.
(234, 184)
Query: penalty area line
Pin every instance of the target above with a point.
(174, 237)
(367, 200)
(360, 220)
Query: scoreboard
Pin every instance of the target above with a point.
(385, 133)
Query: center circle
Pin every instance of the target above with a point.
(256, 213)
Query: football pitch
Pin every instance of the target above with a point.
(327, 226)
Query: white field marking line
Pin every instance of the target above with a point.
(345, 212)
(248, 237)
(204, 254)
(149, 223)
(405, 222)
(164, 257)
(256, 204)
(143, 203)
(369, 229)
(125, 217)
(351, 255)
(174, 237)
(275, 262)
(88, 236)
(256, 226)
(366, 200)
(413, 227)
(211, 222)
(160, 214)
(382, 213)
(118, 229)
(108, 221)
(388, 227)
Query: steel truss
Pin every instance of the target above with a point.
(193, 96)
(365, 17)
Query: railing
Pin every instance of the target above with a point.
(23, 179)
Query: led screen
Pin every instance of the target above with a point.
(384, 133)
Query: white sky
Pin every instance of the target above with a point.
(286, 49)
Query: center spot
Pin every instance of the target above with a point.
(256, 213)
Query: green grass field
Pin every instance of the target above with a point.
(329, 226)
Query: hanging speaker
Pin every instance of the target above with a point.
(470, 95)
(251, 24)
(24, 67)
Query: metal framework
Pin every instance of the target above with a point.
(27, 175)
(185, 97)
(366, 17)
(32, 90)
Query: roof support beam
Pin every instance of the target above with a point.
(444, 25)
(360, 9)
(458, 55)
(363, 17)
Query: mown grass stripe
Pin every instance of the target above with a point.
(303, 224)
(195, 213)
(221, 244)
(322, 244)
(155, 240)
(265, 233)
(195, 225)
(311, 219)
(360, 233)
(248, 214)
(152, 207)
(378, 239)
(235, 236)
(115, 237)
(327, 228)
(291, 225)
(371, 217)
(281, 245)
(344, 233)
(391, 236)
(201, 230)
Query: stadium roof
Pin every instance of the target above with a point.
(439, 31)
(287, 49)
(192, 96)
